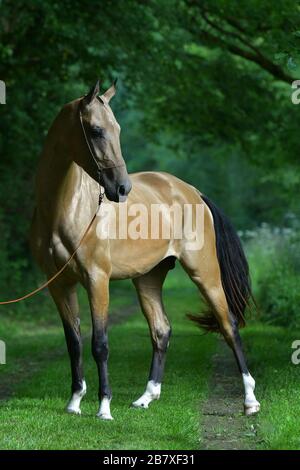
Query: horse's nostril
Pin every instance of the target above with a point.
(122, 190)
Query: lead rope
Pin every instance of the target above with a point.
(61, 270)
(46, 284)
(58, 273)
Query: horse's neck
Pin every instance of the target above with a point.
(64, 190)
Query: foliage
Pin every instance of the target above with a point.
(204, 93)
(275, 266)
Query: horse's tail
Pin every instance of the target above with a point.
(234, 271)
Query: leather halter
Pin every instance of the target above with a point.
(88, 143)
(95, 159)
(101, 194)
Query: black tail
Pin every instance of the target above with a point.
(234, 271)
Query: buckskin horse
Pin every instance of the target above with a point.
(82, 152)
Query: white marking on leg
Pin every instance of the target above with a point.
(152, 393)
(104, 410)
(251, 405)
(74, 403)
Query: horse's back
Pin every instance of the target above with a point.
(161, 187)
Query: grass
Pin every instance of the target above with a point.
(273, 254)
(37, 372)
(277, 378)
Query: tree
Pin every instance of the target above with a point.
(205, 93)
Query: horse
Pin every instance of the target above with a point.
(81, 154)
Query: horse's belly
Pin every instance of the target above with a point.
(132, 258)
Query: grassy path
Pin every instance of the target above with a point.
(224, 425)
(201, 400)
(276, 427)
(26, 367)
(34, 418)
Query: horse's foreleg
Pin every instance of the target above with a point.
(99, 299)
(149, 289)
(65, 298)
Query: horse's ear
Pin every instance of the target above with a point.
(92, 94)
(110, 93)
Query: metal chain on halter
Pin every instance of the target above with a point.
(60, 271)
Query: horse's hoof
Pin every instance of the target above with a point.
(73, 411)
(140, 404)
(252, 409)
(105, 416)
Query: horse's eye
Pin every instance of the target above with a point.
(97, 132)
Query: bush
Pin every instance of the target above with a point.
(274, 258)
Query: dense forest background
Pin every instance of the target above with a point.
(204, 93)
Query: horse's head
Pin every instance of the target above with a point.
(102, 134)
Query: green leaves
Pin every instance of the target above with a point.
(205, 92)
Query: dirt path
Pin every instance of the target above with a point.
(224, 426)
(26, 368)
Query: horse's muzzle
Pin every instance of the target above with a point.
(116, 189)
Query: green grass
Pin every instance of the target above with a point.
(37, 373)
(34, 417)
(278, 385)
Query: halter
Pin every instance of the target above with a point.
(99, 170)
(95, 159)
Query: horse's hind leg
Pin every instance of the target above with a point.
(65, 298)
(208, 280)
(149, 289)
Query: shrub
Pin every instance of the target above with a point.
(274, 258)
